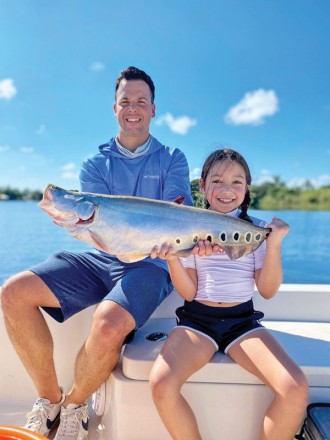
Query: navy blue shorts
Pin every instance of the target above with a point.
(80, 280)
(222, 325)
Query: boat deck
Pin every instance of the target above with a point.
(221, 393)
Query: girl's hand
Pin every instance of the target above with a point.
(279, 231)
(164, 253)
(205, 248)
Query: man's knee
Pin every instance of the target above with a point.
(9, 292)
(26, 289)
(112, 324)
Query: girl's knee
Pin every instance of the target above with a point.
(295, 388)
(161, 385)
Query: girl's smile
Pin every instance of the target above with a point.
(225, 186)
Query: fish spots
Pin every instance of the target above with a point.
(178, 241)
(223, 237)
(209, 238)
(195, 239)
(248, 237)
(236, 236)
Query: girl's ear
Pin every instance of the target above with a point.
(201, 186)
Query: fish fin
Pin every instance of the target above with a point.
(183, 252)
(235, 252)
(131, 258)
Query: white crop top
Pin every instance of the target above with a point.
(221, 279)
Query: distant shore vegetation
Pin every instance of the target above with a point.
(273, 195)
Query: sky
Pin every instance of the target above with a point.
(252, 75)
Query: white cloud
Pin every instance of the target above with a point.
(195, 173)
(27, 150)
(253, 108)
(7, 89)
(69, 175)
(179, 125)
(69, 171)
(3, 148)
(323, 180)
(69, 166)
(266, 176)
(97, 66)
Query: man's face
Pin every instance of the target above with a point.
(133, 109)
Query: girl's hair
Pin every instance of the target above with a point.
(229, 155)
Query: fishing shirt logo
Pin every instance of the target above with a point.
(151, 177)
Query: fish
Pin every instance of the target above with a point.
(129, 227)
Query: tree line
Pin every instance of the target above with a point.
(274, 195)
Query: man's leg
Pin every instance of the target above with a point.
(139, 289)
(100, 353)
(21, 297)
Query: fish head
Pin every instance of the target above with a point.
(69, 209)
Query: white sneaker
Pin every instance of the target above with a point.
(73, 423)
(43, 415)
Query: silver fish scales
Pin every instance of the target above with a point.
(129, 227)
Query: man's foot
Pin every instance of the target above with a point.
(43, 415)
(73, 423)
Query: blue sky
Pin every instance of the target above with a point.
(250, 74)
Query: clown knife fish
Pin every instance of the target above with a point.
(129, 227)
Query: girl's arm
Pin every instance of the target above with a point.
(270, 276)
(184, 280)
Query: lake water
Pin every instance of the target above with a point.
(28, 235)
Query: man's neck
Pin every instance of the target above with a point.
(132, 143)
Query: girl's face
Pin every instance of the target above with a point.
(225, 186)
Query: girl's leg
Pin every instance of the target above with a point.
(183, 353)
(261, 354)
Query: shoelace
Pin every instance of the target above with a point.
(69, 425)
(34, 417)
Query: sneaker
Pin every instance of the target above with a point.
(43, 416)
(73, 423)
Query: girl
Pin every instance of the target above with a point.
(219, 291)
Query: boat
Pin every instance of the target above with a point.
(228, 401)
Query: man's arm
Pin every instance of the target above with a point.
(177, 181)
(91, 179)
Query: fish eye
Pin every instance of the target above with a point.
(248, 237)
(236, 236)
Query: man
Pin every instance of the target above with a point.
(133, 163)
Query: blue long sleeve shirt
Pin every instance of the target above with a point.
(161, 174)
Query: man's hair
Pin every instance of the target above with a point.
(134, 73)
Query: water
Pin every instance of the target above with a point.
(28, 235)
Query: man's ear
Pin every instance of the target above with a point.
(115, 108)
(153, 110)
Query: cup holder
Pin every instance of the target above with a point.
(156, 336)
